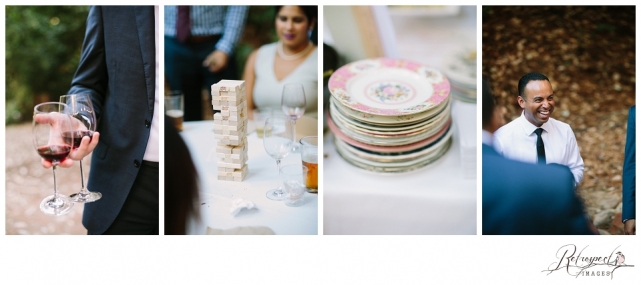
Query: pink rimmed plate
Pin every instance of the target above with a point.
(400, 148)
(388, 87)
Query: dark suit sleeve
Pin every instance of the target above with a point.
(629, 168)
(91, 75)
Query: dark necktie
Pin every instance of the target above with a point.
(540, 147)
(183, 26)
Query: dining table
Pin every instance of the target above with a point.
(216, 197)
(438, 199)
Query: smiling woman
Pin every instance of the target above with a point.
(293, 59)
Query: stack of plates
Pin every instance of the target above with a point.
(390, 115)
(461, 70)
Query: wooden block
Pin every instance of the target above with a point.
(233, 107)
(228, 132)
(236, 156)
(240, 116)
(230, 137)
(222, 122)
(225, 169)
(238, 165)
(237, 112)
(236, 175)
(227, 86)
(232, 158)
(232, 149)
(238, 142)
(218, 126)
(243, 174)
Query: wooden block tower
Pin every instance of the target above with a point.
(230, 128)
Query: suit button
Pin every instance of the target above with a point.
(136, 163)
(147, 123)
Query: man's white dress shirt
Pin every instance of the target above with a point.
(517, 140)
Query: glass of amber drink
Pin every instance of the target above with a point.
(309, 156)
(175, 108)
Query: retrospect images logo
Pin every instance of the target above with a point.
(582, 263)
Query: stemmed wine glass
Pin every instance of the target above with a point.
(293, 103)
(277, 141)
(50, 121)
(83, 121)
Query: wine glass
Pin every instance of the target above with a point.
(293, 103)
(83, 121)
(50, 121)
(277, 140)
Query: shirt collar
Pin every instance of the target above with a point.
(529, 128)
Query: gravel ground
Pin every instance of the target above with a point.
(27, 183)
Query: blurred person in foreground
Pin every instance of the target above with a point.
(523, 198)
(629, 177)
(181, 186)
(293, 59)
(118, 68)
(199, 50)
(535, 136)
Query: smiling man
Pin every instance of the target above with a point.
(535, 136)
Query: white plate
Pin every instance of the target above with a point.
(392, 167)
(461, 67)
(410, 156)
(389, 87)
(416, 135)
(336, 112)
(389, 121)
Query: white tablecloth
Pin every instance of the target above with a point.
(436, 199)
(216, 196)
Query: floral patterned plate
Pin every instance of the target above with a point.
(336, 112)
(389, 121)
(417, 154)
(385, 149)
(390, 139)
(389, 87)
(391, 167)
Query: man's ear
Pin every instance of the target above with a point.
(521, 101)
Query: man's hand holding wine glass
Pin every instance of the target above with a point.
(87, 144)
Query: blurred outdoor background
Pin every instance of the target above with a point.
(42, 52)
(588, 53)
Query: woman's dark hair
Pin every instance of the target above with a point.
(181, 182)
(311, 12)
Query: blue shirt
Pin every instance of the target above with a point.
(228, 21)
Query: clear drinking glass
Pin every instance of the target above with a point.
(51, 121)
(293, 176)
(293, 103)
(259, 116)
(277, 141)
(175, 108)
(83, 121)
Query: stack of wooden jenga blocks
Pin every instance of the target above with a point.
(230, 128)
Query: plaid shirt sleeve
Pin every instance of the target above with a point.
(234, 25)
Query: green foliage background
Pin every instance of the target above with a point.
(43, 46)
(259, 30)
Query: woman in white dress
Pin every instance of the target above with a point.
(293, 59)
